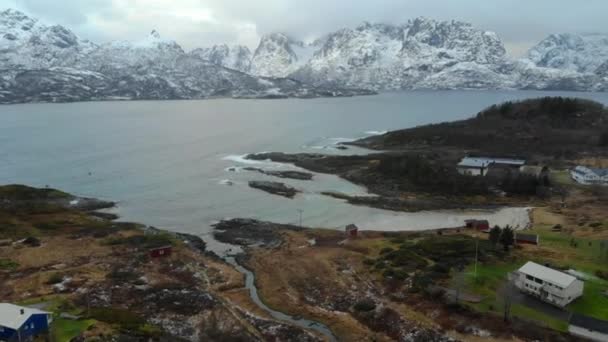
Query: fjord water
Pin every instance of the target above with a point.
(166, 162)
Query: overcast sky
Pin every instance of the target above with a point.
(195, 23)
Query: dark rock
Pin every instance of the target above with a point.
(249, 232)
(300, 175)
(275, 188)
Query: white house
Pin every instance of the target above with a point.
(588, 176)
(547, 284)
(588, 328)
(478, 166)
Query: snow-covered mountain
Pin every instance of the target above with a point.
(41, 62)
(278, 55)
(237, 57)
(581, 53)
(50, 63)
(427, 54)
(419, 54)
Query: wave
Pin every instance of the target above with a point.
(226, 182)
(375, 132)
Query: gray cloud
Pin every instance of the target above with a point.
(193, 23)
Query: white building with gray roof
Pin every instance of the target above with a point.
(549, 285)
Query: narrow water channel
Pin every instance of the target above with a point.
(253, 293)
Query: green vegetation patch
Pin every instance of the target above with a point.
(8, 265)
(25, 193)
(64, 330)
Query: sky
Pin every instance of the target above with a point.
(199, 23)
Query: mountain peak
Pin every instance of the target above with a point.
(154, 34)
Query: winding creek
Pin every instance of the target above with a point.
(301, 322)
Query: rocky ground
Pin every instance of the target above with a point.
(322, 275)
(100, 272)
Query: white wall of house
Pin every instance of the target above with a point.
(585, 333)
(547, 291)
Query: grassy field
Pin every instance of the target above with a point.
(64, 330)
(560, 249)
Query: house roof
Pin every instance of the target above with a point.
(11, 317)
(547, 274)
(589, 323)
(591, 171)
(479, 162)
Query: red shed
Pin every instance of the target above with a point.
(481, 225)
(352, 231)
(161, 252)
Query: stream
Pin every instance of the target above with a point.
(301, 322)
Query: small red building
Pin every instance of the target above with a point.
(531, 239)
(160, 252)
(481, 225)
(352, 231)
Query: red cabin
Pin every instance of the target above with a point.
(352, 231)
(161, 252)
(481, 225)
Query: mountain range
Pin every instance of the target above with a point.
(41, 62)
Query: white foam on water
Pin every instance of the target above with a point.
(226, 182)
(376, 132)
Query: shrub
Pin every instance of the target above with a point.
(54, 278)
(602, 274)
(365, 305)
(386, 250)
(369, 261)
(8, 265)
(595, 224)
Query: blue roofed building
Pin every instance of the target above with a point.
(20, 324)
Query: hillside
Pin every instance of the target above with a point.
(553, 126)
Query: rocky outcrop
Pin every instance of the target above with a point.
(249, 232)
(274, 188)
(292, 174)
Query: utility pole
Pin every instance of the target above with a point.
(476, 254)
(300, 211)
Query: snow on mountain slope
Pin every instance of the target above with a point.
(50, 63)
(235, 57)
(278, 55)
(25, 42)
(150, 51)
(580, 53)
(382, 56)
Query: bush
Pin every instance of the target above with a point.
(386, 250)
(369, 261)
(602, 274)
(54, 278)
(365, 305)
(8, 265)
(595, 224)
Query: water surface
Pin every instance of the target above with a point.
(165, 161)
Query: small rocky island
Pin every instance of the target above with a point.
(275, 188)
(291, 174)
